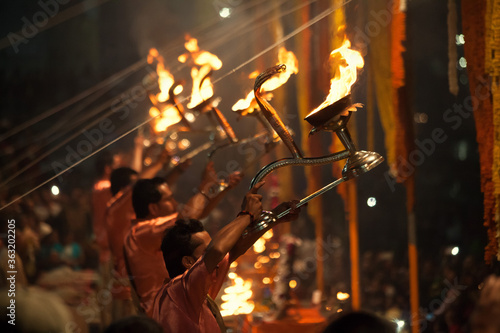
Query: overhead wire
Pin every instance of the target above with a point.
(296, 31)
(104, 89)
(45, 139)
(112, 79)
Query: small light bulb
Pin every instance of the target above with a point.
(225, 12)
(371, 202)
(462, 62)
(55, 190)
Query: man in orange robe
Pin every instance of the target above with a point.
(156, 210)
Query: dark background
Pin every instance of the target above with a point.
(73, 55)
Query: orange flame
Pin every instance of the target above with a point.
(102, 185)
(165, 118)
(202, 86)
(169, 115)
(342, 296)
(246, 103)
(236, 297)
(349, 62)
(292, 67)
(165, 78)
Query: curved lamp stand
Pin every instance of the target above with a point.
(332, 118)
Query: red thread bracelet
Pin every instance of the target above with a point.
(244, 212)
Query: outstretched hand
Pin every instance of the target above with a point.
(164, 157)
(252, 202)
(234, 179)
(209, 178)
(184, 165)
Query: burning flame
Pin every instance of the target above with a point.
(349, 62)
(165, 78)
(168, 114)
(260, 245)
(268, 235)
(342, 296)
(165, 118)
(102, 185)
(292, 67)
(245, 103)
(202, 86)
(236, 297)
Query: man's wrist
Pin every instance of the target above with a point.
(245, 212)
(205, 194)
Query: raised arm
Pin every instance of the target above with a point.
(245, 242)
(227, 237)
(202, 203)
(156, 166)
(138, 150)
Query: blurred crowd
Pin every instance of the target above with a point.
(60, 276)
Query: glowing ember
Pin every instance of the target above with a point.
(263, 259)
(292, 67)
(274, 255)
(236, 298)
(202, 86)
(268, 235)
(260, 245)
(349, 62)
(102, 185)
(342, 296)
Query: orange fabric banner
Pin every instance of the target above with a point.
(473, 23)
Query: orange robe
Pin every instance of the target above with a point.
(181, 304)
(119, 216)
(144, 257)
(101, 194)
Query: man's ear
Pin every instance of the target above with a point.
(153, 209)
(187, 261)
